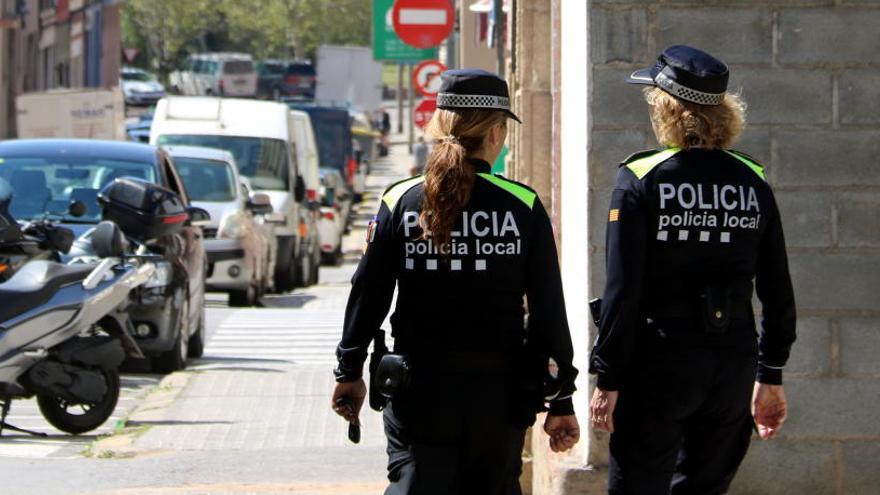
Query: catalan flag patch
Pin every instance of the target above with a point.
(614, 215)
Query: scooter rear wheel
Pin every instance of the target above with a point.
(80, 418)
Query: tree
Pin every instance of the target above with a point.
(166, 28)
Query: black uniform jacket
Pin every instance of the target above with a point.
(680, 220)
(470, 300)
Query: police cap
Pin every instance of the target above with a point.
(474, 88)
(687, 73)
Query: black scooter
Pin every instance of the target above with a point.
(63, 327)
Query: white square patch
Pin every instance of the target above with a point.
(410, 263)
(704, 236)
(725, 237)
(683, 235)
(662, 235)
(480, 265)
(431, 264)
(455, 265)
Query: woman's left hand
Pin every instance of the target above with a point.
(602, 409)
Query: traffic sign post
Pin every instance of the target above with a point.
(426, 77)
(423, 23)
(423, 113)
(387, 46)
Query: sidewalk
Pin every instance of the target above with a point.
(262, 424)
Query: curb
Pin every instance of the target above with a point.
(153, 408)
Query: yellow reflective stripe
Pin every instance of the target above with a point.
(752, 165)
(393, 195)
(522, 193)
(642, 166)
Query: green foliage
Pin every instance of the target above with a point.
(169, 29)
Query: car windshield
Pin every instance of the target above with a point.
(238, 67)
(206, 180)
(44, 185)
(262, 160)
(300, 70)
(136, 76)
(271, 68)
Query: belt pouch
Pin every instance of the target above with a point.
(717, 306)
(392, 375)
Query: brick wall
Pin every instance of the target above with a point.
(810, 72)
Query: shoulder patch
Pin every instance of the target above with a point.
(749, 161)
(396, 191)
(522, 192)
(642, 163)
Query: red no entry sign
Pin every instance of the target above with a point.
(423, 23)
(423, 112)
(426, 77)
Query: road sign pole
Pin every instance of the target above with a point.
(412, 108)
(400, 98)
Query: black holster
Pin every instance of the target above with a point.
(393, 375)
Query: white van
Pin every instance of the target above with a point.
(261, 136)
(307, 158)
(216, 74)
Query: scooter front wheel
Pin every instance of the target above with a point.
(79, 418)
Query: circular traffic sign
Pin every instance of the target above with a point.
(426, 77)
(423, 112)
(423, 23)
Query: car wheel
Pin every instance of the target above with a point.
(316, 267)
(338, 256)
(174, 359)
(196, 346)
(243, 298)
(285, 266)
(305, 270)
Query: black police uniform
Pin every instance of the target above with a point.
(688, 232)
(459, 319)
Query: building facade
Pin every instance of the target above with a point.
(810, 73)
(48, 44)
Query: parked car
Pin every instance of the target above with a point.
(139, 131)
(236, 244)
(139, 87)
(169, 312)
(333, 222)
(307, 159)
(332, 126)
(216, 74)
(261, 137)
(279, 79)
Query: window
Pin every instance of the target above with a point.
(238, 67)
(48, 184)
(264, 161)
(206, 180)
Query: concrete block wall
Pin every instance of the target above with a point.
(810, 72)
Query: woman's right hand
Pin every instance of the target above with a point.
(354, 392)
(602, 409)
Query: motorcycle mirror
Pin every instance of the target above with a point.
(198, 216)
(260, 204)
(76, 208)
(108, 240)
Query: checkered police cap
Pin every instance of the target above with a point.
(686, 73)
(474, 88)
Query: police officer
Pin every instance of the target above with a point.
(690, 227)
(463, 247)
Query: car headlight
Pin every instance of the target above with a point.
(160, 277)
(234, 226)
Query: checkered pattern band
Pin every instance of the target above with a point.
(688, 94)
(449, 100)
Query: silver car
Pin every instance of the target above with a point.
(237, 239)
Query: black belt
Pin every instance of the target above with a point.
(462, 362)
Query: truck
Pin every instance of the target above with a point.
(349, 77)
(72, 113)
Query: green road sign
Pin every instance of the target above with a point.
(387, 46)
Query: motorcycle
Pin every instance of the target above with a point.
(63, 327)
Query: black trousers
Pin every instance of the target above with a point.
(454, 434)
(683, 421)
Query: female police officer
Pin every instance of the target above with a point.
(464, 247)
(690, 227)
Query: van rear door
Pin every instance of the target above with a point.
(239, 78)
